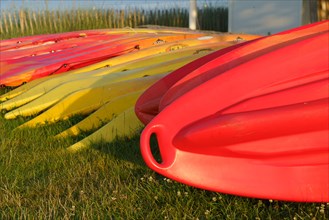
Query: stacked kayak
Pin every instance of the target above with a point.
(14, 72)
(250, 119)
(105, 90)
(46, 39)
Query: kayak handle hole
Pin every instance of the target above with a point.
(155, 150)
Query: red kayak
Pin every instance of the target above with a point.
(14, 72)
(258, 128)
(17, 71)
(148, 105)
(56, 47)
(43, 39)
(36, 40)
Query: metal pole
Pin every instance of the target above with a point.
(193, 15)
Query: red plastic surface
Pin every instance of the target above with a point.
(257, 129)
(55, 47)
(35, 40)
(187, 77)
(17, 71)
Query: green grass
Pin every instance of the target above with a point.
(40, 180)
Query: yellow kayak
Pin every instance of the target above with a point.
(103, 114)
(87, 100)
(62, 91)
(125, 124)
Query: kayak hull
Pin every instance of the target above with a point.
(249, 130)
(184, 79)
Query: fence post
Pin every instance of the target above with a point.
(193, 15)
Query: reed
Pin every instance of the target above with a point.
(10, 21)
(23, 22)
(30, 22)
(1, 28)
(4, 18)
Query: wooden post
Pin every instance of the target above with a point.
(309, 12)
(193, 15)
(313, 11)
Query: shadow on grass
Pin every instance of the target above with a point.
(126, 149)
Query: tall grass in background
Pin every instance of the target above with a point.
(25, 22)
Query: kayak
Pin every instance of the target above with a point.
(232, 122)
(43, 39)
(88, 100)
(60, 92)
(59, 96)
(103, 115)
(171, 60)
(171, 46)
(16, 71)
(148, 105)
(125, 125)
(133, 56)
(25, 69)
(55, 47)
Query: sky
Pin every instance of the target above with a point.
(102, 4)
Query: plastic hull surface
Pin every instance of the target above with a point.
(251, 130)
(180, 81)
